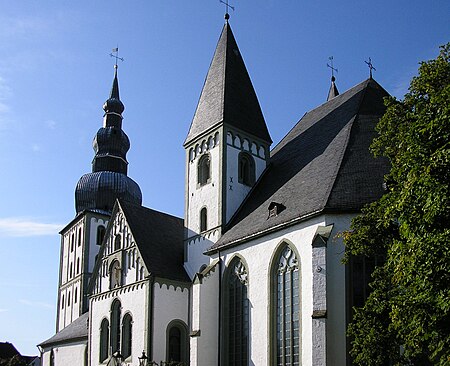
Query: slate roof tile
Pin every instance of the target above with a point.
(323, 163)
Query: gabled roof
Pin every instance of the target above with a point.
(323, 163)
(159, 239)
(7, 350)
(228, 96)
(75, 331)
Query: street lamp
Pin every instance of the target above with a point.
(143, 359)
(118, 357)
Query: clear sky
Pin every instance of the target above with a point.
(55, 74)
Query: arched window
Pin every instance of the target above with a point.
(62, 302)
(203, 219)
(177, 342)
(78, 265)
(68, 299)
(204, 169)
(127, 335)
(285, 290)
(246, 169)
(75, 295)
(100, 234)
(236, 317)
(72, 240)
(71, 270)
(79, 236)
(104, 340)
(115, 326)
(117, 242)
(115, 275)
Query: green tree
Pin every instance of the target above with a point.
(406, 318)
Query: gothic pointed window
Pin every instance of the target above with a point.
(115, 326)
(203, 219)
(204, 169)
(285, 289)
(177, 342)
(127, 329)
(104, 340)
(246, 168)
(236, 314)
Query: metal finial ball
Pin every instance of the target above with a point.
(227, 16)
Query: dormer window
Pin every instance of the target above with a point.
(246, 169)
(275, 209)
(204, 170)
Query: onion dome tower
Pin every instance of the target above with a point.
(98, 191)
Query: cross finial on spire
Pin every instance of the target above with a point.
(227, 6)
(116, 56)
(370, 65)
(332, 68)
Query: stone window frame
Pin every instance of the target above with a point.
(243, 277)
(184, 340)
(246, 169)
(273, 281)
(204, 170)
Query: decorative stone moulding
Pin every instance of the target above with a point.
(205, 145)
(246, 144)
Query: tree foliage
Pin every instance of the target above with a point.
(406, 318)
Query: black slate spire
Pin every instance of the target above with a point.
(108, 181)
(333, 92)
(228, 96)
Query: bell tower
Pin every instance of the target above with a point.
(227, 149)
(95, 196)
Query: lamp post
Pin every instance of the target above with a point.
(143, 359)
(118, 357)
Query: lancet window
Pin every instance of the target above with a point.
(104, 340)
(246, 168)
(286, 300)
(127, 324)
(236, 314)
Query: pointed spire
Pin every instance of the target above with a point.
(113, 104)
(228, 96)
(333, 92)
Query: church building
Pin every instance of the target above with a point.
(252, 275)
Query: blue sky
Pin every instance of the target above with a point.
(55, 74)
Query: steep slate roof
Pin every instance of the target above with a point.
(77, 330)
(322, 164)
(159, 238)
(228, 95)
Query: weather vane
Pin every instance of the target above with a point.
(115, 54)
(331, 67)
(370, 65)
(227, 6)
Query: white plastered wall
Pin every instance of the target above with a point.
(68, 354)
(258, 255)
(134, 300)
(171, 302)
(205, 305)
(235, 191)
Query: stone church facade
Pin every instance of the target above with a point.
(252, 275)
